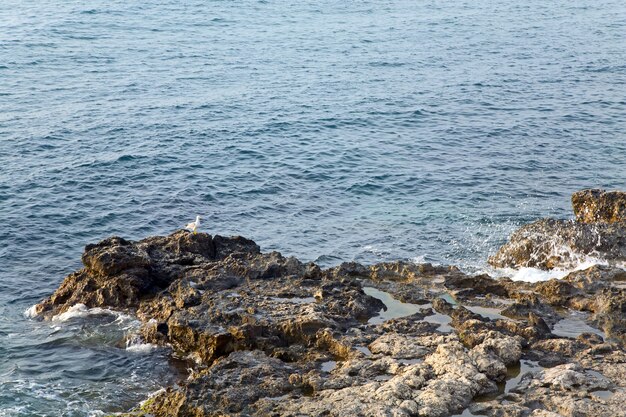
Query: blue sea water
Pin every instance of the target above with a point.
(329, 130)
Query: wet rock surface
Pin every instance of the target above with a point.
(599, 232)
(268, 335)
(549, 243)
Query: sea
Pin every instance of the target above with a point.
(328, 130)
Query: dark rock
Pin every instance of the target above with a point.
(228, 387)
(351, 269)
(120, 273)
(596, 277)
(442, 306)
(477, 285)
(538, 323)
(529, 304)
(556, 292)
(114, 255)
(599, 231)
(549, 243)
(266, 335)
(610, 312)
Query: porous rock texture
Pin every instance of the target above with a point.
(598, 232)
(599, 206)
(268, 335)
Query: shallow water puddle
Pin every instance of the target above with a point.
(449, 298)
(516, 372)
(394, 308)
(573, 327)
(514, 375)
(603, 394)
(499, 301)
(465, 413)
(364, 349)
(488, 312)
(442, 320)
(410, 361)
(295, 300)
(328, 366)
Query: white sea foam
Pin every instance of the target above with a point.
(375, 250)
(136, 344)
(141, 347)
(152, 395)
(419, 259)
(81, 310)
(538, 275)
(124, 321)
(31, 312)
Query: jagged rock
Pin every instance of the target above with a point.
(407, 347)
(571, 377)
(114, 255)
(444, 383)
(596, 277)
(593, 206)
(507, 349)
(550, 243)
(230, 386)
(477, 285)
(442, 306)
(267, 335)
(599, 232)
(562, 347)
(556, 291)
(610, 312)
(119, 273)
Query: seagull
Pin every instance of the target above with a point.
(193, 225)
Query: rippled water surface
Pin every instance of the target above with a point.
(330, 130)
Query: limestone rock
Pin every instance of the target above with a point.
(267, 335)
(599, 206)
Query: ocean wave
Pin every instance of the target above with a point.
(141, 347)
(538, 275)
(81, 311)
(31, 312)
(136, 344)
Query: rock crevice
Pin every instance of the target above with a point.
(268, 335)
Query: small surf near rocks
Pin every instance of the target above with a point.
(271, 335)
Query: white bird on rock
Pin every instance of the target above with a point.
(193, 225)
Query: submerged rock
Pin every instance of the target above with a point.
(268, 335)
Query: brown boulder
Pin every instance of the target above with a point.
(112, 256)
(119, 273)
(599, 206)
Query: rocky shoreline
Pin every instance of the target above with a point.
(268, 335)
